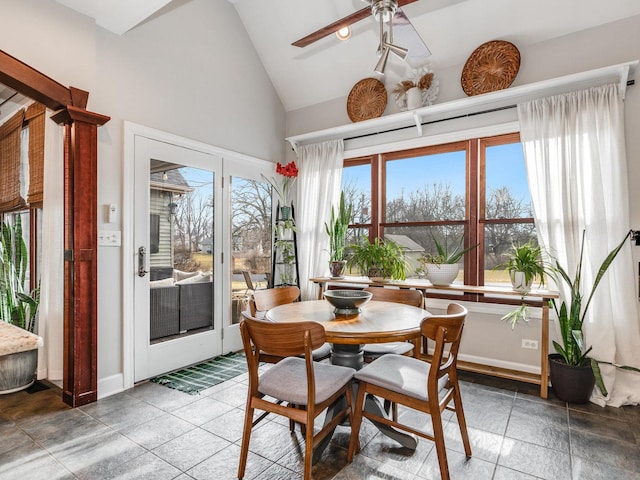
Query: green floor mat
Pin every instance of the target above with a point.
(198, 377)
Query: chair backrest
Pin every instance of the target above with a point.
(263, 300)
(280, 339)
(445, 329)
(403, 295)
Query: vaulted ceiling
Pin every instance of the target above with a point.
(328, 69)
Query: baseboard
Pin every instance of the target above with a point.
(43, 374)
(110, 385)
(500, 364)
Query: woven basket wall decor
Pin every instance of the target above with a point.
(492, 66)
(367, 99)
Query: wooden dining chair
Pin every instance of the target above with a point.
(405, 296)
(297, 388)
(419, 385)
(263, 300)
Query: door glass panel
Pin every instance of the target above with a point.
(250, 241)
(181, 232)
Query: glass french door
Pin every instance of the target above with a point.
(250, 239)
(178, 282)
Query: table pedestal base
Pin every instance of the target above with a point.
(347, 355)
(353, 356)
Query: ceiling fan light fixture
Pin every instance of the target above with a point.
(344, 33)
(399, 51)
(382, 61)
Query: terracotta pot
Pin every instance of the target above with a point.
(570, 383)
(336, 268)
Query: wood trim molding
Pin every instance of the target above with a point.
(80, 382)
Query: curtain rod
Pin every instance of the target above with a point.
(397, 129)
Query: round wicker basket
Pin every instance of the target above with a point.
(492, 66)
(367, 99)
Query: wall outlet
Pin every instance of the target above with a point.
(527, 343)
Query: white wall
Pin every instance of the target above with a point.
(190, 70)
(486, 337)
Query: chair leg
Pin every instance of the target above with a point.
(416, 348)
(462, 423)
(438, 435)
(308, 437)
(246, 436)
(354, 441)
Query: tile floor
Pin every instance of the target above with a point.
(154, 432)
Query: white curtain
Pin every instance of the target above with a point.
(319, 186)
(51, 310)
(576, 165)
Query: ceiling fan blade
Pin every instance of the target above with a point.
(338, 24)
(405, 34)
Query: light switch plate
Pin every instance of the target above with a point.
(109, 238)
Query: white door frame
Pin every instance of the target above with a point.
(129, 253)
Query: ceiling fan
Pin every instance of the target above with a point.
(390, 17)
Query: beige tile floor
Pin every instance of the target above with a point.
(153, 432)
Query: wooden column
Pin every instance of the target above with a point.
(80, 220)
(80, 382)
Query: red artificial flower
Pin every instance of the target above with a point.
(289, 170)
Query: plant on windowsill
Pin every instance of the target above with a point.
(380, 260)
(337, 231)
(525, 264)
(443, 267)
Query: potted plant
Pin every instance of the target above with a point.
(572, 372)
(337, 231)
(379, 259)
(443, 267)
(525, 264)
(18, 305)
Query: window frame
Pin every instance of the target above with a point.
(475, 203)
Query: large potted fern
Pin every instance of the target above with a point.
(380, 260)
(573, 373)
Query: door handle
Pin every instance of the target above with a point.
(142, 253)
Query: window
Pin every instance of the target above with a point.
(458, 195)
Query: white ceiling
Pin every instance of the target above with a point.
(328, 69)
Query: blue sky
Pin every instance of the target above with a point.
(505, 166)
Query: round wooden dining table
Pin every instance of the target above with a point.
(377, 322)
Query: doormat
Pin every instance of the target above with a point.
(194, 379)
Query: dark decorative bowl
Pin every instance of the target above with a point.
(347, 302)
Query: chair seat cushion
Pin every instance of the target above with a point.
(321, 352)
(287, 380)
(377, 349)
(406, 375)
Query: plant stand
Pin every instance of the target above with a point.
(284, 264)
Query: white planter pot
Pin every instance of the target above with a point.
(414, 98)
(519, 283)
(443, 274)
(284, 233)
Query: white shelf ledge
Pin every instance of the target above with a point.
(620, 73)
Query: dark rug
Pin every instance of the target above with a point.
(194, 379)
